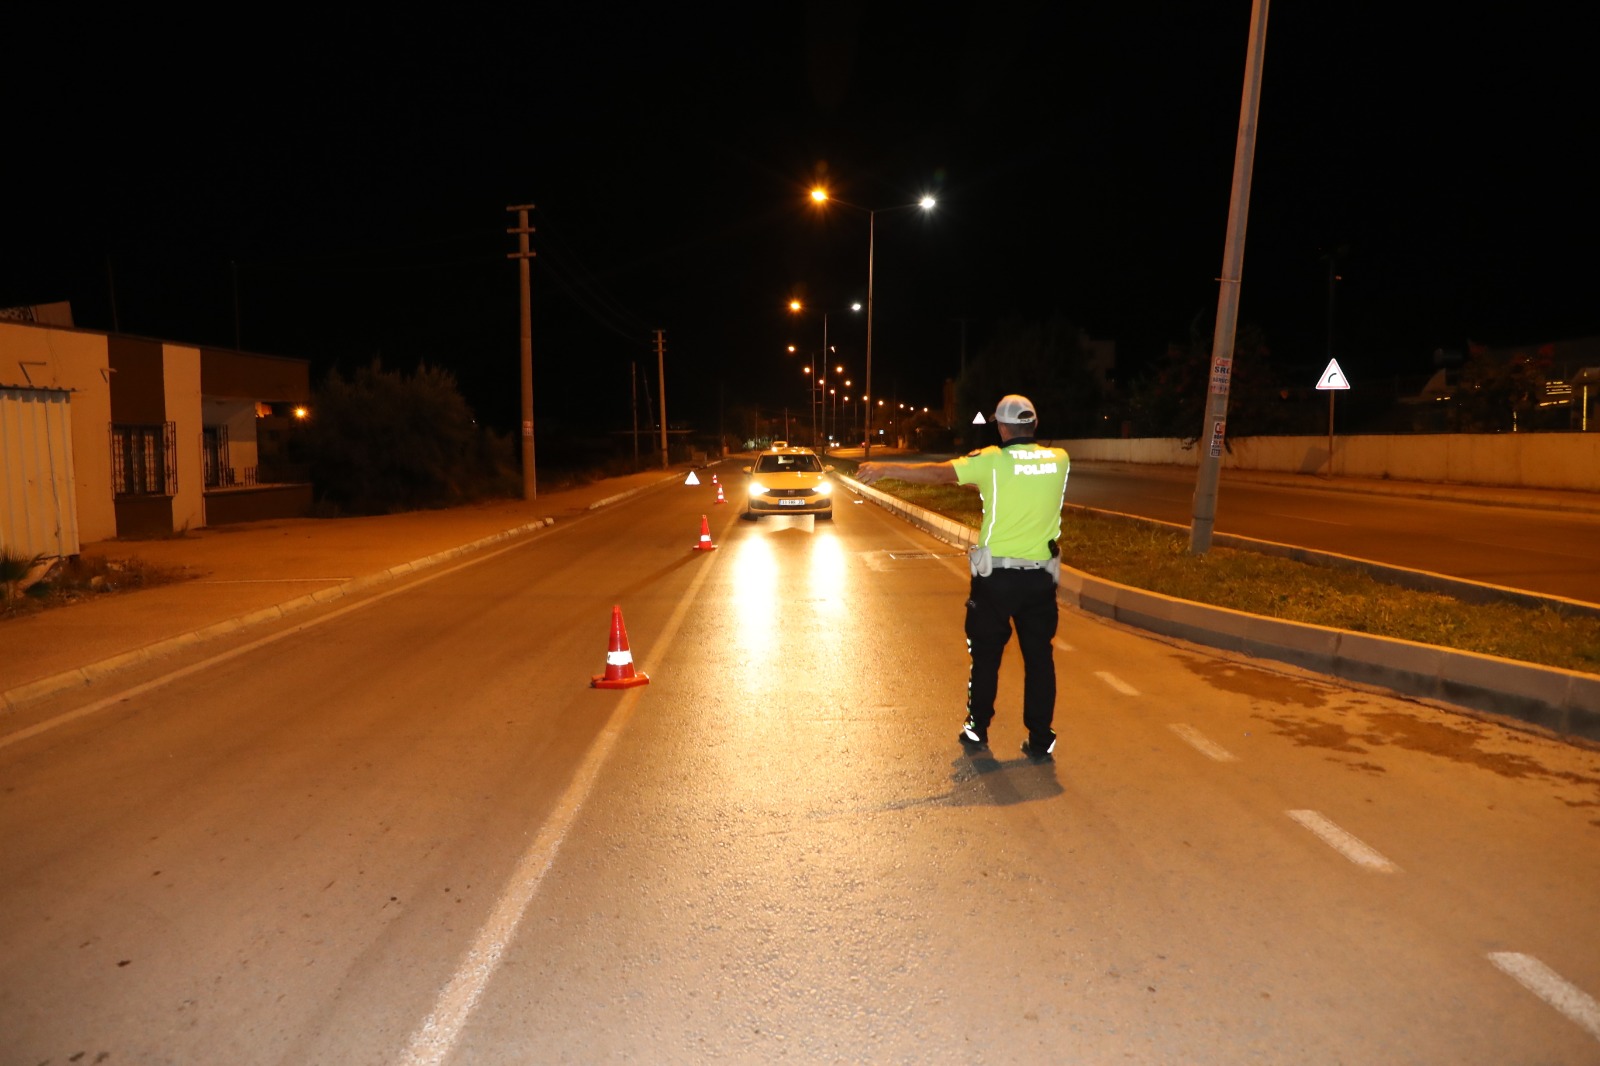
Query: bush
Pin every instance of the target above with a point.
(383, 441)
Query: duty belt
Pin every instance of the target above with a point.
(1003, 562)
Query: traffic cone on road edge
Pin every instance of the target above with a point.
(619, 660)
(705, 544)
(720, 498)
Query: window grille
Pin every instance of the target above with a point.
(144, 459)
(218, 472)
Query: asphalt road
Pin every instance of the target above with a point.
(1554, 552)
(407, 830)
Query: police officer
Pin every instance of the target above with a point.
(1015, 565)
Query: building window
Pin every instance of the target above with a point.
(144, 460)
(215, 449)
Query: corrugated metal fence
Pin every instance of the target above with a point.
(38, 502)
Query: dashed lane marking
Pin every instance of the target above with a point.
(1063, 645)
(1542, 981)
(1344, 843)
(1203, 744)
(1116, 682)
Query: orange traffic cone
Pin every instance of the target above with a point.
(705, 544)
(714, 477)
(619, 660)
(720, 498)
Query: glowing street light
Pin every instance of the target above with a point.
(819, 195)
(796, 307)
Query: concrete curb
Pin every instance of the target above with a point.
(99, 671)
(1565, 702)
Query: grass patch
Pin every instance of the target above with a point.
(1153, 557)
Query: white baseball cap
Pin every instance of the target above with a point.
(1017, 410)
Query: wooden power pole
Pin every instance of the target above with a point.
(530, 483)
(661, 378)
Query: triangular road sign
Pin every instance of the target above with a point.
(692, 480)
(977, 419)
(1333, 377)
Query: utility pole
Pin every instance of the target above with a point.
(633, 376)
(1214, 429)
(233, 266)
(111, 291)
(661, 376)
(530, 485)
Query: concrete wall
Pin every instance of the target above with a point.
(79, 362)
(1526, 460)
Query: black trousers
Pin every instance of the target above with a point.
(1026, 598)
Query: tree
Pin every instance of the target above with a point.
(1169, 399)
(382, 441)
(1044, 361)
(1495, 391)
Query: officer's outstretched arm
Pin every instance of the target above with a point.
(917, 473)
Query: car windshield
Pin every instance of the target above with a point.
(788, 464)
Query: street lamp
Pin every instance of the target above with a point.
(821, 196)
(795, 308)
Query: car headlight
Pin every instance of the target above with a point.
(824, 488)
(757, 489)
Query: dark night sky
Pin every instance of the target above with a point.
(353, 176)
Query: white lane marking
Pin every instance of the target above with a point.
(1202, 743)
(1344, 843)
(1116, 682)
(436, 1036)
(1551, 987)
(1063, 645)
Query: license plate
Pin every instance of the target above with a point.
(791, 503)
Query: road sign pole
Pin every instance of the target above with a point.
(1332, 382)
(1331, 395)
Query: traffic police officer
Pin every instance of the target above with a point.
(1015, 565)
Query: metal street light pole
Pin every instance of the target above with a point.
(872, 238)
(822, 371)
(820, 195)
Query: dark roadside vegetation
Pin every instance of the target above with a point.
(31, 585)
(1151, 556)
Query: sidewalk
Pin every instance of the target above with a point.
(236, 575)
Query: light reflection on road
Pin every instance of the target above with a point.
(755, 603)
(826, 573)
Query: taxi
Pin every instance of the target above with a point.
(787, 480)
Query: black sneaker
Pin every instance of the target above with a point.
(1039, 752)
(972, 738)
